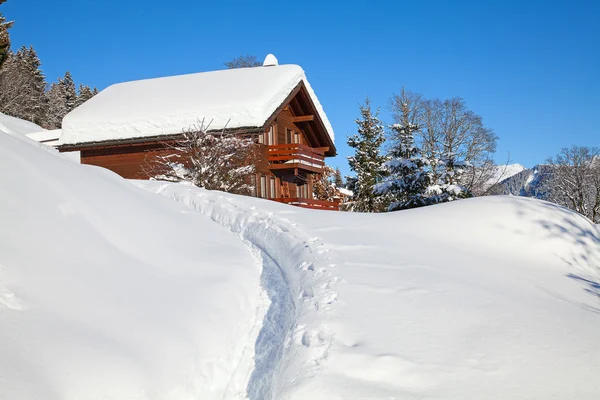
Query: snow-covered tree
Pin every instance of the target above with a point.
(70, 91)
(338, 180)
(85, 93)
(34, 104)
(408, 179)
(450, 131)
(215, 161)
(574, 180)
(408, 176)
(447, 187)
(367, 162)
(4, 37)
(22, 86)
(57, 107)
(323, 186)
(246, 61)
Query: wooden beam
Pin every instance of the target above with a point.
(303, 118)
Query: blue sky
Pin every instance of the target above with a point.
(531, 69)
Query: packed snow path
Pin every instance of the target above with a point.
(296, 276)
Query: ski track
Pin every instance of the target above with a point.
(294, 338)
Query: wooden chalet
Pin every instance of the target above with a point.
(127, 124)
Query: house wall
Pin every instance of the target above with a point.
(127, 161)
(284, 122)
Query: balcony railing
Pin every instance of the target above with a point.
(292, 156)
(310, 203)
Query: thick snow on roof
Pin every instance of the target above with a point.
(235, 98)
(48, 137)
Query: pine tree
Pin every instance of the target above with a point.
(448, 187)
(409, 180)
(34, 104)
(57, 107)
(94, 92)
(409, 177)
(367, 162)
(4, 37)
(70, 92)
(85, 93)
(337, 178)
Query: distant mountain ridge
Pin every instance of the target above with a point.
(530, 182)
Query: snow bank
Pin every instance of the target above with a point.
(234, 98)
(488, 298)
(110, 292)
(15, 126)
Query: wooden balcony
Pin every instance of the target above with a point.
(310, 203)
(296, 156)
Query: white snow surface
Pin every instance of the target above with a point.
(48, 137)
(16, 126)
(108, 291)
(233, 98)
(486, 298)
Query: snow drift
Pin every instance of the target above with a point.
(489, 298)
(109, 292)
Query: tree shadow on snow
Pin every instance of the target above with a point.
(584, 260)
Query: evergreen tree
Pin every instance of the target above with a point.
(94, 92)
(367, 162)
(448, 187)
(70, 92)
(33, 88)
(85, 93)
(337, 178)
(409, 180)
(57, 107)
(4, 37)
(409, 177)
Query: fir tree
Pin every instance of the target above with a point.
(409, 177)
(409, 180)
(85, 93)
(337, 178)
(70, 92)
(448, 187)
(367, 162)
(57, 107)
(4, 37)
(33, 88)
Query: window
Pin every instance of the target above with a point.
(296, 137)
(263, 186)
(272, 188)
(271, 135)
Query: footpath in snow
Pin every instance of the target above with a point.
(490, 298)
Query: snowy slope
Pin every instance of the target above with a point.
(107, 292)
(503, 172)
(234, 98)
(110, 292)
(489, 298)
(16, 126)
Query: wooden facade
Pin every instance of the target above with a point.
(294, 143)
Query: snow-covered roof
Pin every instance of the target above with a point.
(47, 137)
(234, 98)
